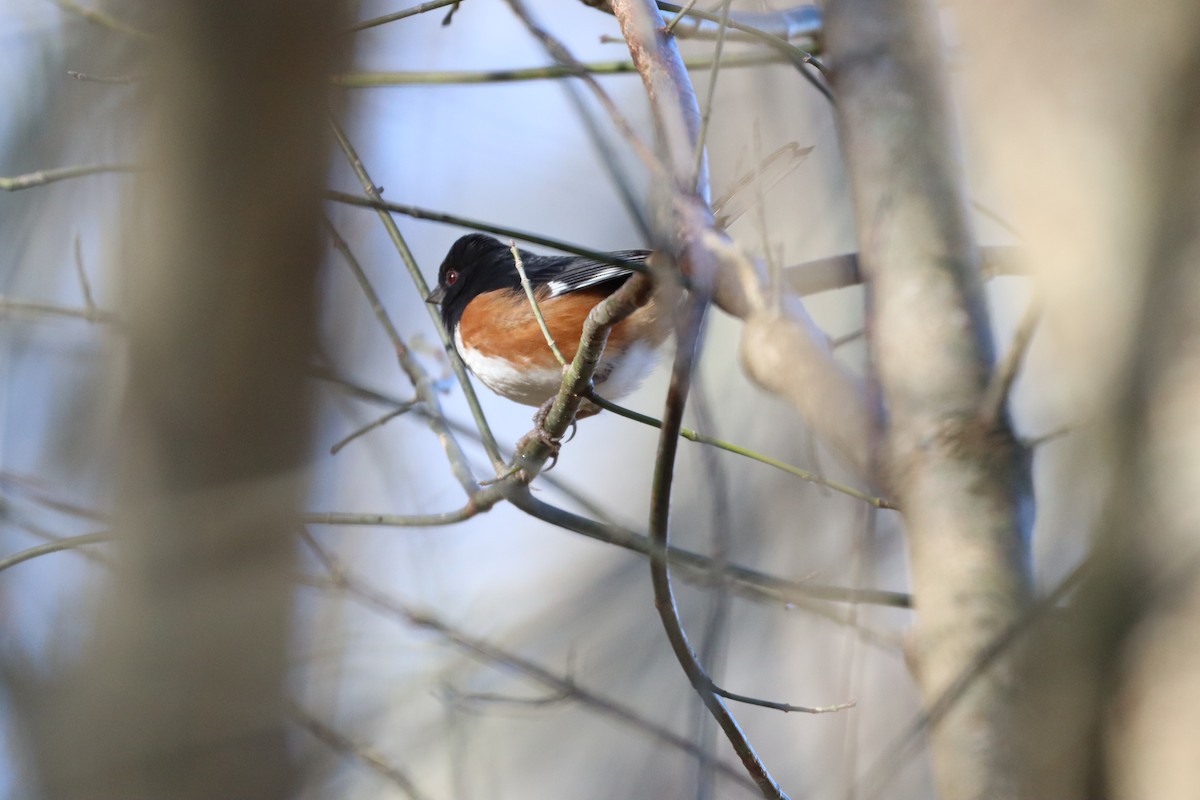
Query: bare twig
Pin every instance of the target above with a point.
(577, 379)
(802, 22)
(774, 168)
(27, 308)
(368, 596)
(379, 422)
(702, 136)
(370, 80)
(375, 22)
(460, 371)
(84, 284)
(533, 303)
(417, 212)
(68, 543)
(102, 19)
(109, 79)
(417, 375)
(345, 746)
(786, 708)
(42, 177)
(677, 120)
(468, 699)
(393, 520)
(995, 398)
(693, 436)
(559, 52)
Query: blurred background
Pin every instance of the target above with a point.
(501, 656)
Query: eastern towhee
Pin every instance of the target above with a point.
(486, 312)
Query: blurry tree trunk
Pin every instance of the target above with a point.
(1119, 679)
(179, 693)
(960, 478)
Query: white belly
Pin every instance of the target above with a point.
(535, 386)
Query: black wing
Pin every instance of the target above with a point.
(571, 274)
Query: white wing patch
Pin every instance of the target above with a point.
(559, 287)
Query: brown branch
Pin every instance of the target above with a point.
(678, 123)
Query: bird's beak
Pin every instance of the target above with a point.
(436, 296)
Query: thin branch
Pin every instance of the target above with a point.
(995, 398)
(383, 79)
(675, 20)
(702, 136)
(35, 489)
(102, 19)
(379, 422)
(417, 212)
(426, 393)
(109, 79)
(84, 284)
(800, 22)
(693, 436)
(372, 191)
(47, 536)
(375, 22)
(577, 378)
(43, 177)
(533, 303)
(28, 308)
(466, 699)
(697, 568)
(345, 746)
(787, 158)
(559, 52)
(366, 595)
(675, 113)
(786, 708)
(68, 543)
(801, 59)
(664, 598)
(393, 520)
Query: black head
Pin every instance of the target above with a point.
(476, 263)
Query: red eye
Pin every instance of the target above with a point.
(451, 277)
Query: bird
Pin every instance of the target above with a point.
(494, 329)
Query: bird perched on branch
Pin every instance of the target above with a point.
(496, 331)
